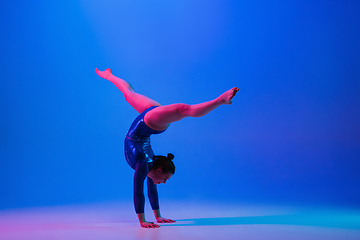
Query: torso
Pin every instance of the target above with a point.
(137, 141)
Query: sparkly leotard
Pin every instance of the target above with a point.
(139, 155)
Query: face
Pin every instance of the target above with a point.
(158, 176)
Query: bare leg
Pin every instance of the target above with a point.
(139, 102)
(160, 118)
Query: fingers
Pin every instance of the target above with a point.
(153, 226)
(164, 220)
(150, 225)
(169, 221)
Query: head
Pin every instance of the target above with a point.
(163, 169)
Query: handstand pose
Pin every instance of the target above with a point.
(154, 119)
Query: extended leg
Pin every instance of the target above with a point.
(139, 102)
(159, 118)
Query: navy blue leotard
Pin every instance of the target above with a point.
(139, 155)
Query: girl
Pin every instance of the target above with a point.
(154, 119)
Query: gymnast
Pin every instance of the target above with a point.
(154, 119)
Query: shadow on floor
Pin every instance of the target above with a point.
(346, 221)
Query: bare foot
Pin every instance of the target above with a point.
(227, 96)
(104, 74)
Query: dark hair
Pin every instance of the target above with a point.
(165, 163)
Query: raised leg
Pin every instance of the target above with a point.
(160, 118)
(139, 102)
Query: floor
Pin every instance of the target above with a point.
(193, 221)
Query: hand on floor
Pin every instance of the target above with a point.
(149, 225)
(164, 220)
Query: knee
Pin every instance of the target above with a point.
(184, 110)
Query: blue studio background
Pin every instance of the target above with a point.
(292, 134)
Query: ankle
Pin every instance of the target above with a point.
(220, 100)
(110, 77)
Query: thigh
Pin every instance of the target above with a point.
(138, 101)
(159, 118)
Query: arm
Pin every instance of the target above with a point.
(141, 170)
(154, 202)
(152, 194)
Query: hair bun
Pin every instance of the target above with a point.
(170, 156)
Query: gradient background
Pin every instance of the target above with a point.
(291, 136)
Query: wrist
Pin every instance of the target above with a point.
(157, 213)
(141, 217)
